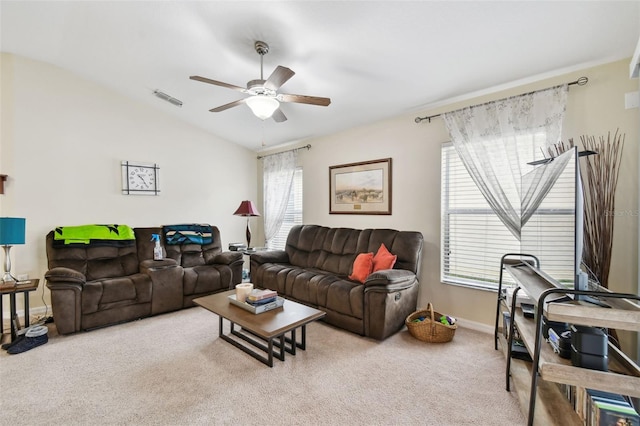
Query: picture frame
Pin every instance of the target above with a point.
(361, 188)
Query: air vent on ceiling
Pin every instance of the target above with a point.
(167, 98)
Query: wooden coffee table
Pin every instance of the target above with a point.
(270, 327)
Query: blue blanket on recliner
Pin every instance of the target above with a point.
(187, 234)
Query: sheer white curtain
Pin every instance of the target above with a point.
(537, 183)
(496, 140)
(278, 171)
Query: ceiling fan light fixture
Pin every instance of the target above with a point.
(262, 107)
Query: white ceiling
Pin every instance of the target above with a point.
(373, 59)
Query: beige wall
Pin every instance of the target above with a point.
(62, 141)
(594, 109)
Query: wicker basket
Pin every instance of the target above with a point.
(430, 330)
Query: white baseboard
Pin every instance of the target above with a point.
(37, 312)
(473, 325)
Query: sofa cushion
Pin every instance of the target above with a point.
(362, 267)
(190, 255)
(383, 259)
(206, 279)
(109, 262)
(325, 291)
(94, 261)
(334, 249)
(187, 255)
(313, 287)
(108, 293)
(340, 295)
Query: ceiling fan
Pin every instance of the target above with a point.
(265, 99)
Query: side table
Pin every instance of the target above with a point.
(11, 289)
(248, 252)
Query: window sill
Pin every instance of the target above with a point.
(483, 287)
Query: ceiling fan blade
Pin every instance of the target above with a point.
(227, 106)
(302, 99)
(278, 77)
(278, 116)
(218, 83)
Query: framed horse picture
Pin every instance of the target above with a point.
(360, 188)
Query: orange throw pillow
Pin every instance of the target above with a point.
(383, 259)
(362, 267)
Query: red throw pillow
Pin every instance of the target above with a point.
(383, 259)
(362, 267)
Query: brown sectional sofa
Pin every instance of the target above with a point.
(315, 265)
(95, 286)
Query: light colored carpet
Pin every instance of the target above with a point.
(174, 370)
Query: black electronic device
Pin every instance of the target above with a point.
(590, 340)
(528, 310)
(519, 351)
(557, 326)
(593, 362)
(589, 347)
(561, 343)
(506, 321)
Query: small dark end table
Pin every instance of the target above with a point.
(11, 289)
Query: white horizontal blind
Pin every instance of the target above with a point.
(293, 215)
(473, 239)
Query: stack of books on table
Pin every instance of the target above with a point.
(259, 297)
(259, 301)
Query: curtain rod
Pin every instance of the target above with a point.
(580, 82)
(307, 146)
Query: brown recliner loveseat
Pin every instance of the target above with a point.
(315, 266)
(95, 285)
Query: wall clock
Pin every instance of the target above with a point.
(140, 178)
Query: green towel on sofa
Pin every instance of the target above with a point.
(115, 235)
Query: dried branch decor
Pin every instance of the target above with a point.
(600, 178)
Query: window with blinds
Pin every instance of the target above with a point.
(474, 239)
(293, 215)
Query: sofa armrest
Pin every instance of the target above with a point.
(226, 258)
(390, 296)
(231, 259)
(394, 279)
(166, 280)
(270, 256)
(266, 257)
(66, 287)
(154, 265)
(65, 276)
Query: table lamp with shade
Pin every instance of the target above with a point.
(247, 209)
(12, 232)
